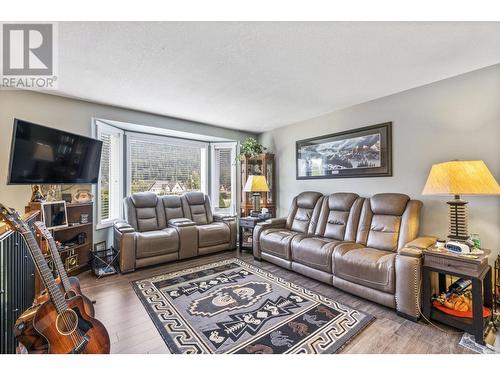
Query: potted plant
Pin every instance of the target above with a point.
(250, 148)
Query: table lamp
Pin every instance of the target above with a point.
(460, 178)
(256, 185)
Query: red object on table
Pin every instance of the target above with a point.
(460, 314)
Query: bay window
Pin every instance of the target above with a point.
(135, 162)
(165, 166)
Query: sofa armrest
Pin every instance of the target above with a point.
(407, 295)
(181, 222)
(188, 236)
(410, 252)
(270, 223)
(409, 276)
(421, 243)
(220, 217)
(125, 241)
(123, 227)
(230, 222)
(273, 223)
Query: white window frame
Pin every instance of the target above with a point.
(149, 137)
(116, 188)
(214, 195)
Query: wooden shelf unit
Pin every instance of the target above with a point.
(262, 164)
(67, 233)
(72, 227)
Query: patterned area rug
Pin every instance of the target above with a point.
(234, 307)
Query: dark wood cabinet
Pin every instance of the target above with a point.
(262, 164)
(246, 227)
(76, 258)
(477, 270)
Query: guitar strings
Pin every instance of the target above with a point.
(62, 315)
(68, 322)
(29, 235)
(66, 319)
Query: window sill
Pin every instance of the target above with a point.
(105, 225)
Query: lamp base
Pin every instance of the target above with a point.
(256, 202)
(457, 211)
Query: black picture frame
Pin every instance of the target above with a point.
(372, 148)
(100, 246)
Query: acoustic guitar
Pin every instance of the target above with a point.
(24, 331)
(64, 323)
(70, 285)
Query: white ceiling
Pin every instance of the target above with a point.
(257, 76)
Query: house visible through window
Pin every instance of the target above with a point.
(166, 166)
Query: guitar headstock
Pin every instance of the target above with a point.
(12, 218)
(41, 229)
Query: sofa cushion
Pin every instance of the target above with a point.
(196, 206)
(304, 212)
(157, 242)
(365, 266)
(336, 223)
(147, 219)
(198, 213)
(213, 234)
(389, 203)
(145, 199)
(382, 219)
(277, 241)
(173, 207)
(302, 219)
(195, 197)
(384, 232)
(339, 216)
(315, 252)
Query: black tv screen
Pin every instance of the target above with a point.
(42, 155)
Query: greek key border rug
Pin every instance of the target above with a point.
(231, 306)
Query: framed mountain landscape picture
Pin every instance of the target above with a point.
(362, 152)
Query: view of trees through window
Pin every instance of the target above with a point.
(164, 168)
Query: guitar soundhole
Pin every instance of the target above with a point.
(67, 322)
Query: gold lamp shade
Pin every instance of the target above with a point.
(461, 178)
(457, 178)
(256, 184)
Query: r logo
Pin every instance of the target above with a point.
(27, 49)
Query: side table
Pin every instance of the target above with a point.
(248, 224)
(477, 270)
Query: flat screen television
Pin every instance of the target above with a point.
(43, 155)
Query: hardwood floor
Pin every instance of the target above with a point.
(132, 331)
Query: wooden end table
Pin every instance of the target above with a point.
(477, 270)
(248, 224)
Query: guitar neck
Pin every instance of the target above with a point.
(45, 273)
(56, 258)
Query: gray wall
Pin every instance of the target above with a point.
(457, 118)
(75, 116)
